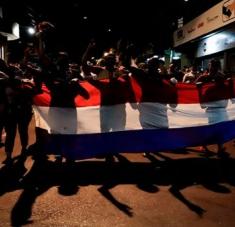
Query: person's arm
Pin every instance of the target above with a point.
(137, 73)
(43, 27)
(200, 79)
(86, 56)
(3, 75)
(76, 86)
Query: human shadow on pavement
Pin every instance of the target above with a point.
(114, 175)
(12, 174)
(35, 183)
(110, 181)
(183, 173)
(148, 176)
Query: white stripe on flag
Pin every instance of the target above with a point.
(97, 119)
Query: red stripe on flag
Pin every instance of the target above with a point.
(126, 90)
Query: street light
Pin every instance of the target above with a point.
(31, 30)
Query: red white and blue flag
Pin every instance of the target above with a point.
(98, 117)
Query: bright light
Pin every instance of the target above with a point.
(16, 30)
(31, 31)
(85, 18)
(176, 56)
(215, 43)
(186, 0)
(109, 30)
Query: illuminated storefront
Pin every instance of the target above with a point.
(212, 34)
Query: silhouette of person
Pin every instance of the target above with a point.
(62, 103)
(115, 93)
(153, 103)
(114, 96)
(54, 74)
(215, 110)
(18, 113)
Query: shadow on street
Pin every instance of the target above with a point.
(69, 176)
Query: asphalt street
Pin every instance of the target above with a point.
(180, 188)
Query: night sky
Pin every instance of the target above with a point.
(77, 21)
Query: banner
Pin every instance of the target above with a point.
(98, 117)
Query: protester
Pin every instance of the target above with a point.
(111, 119)
(215, 113)
(18, 111)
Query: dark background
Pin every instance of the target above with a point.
(146, 23)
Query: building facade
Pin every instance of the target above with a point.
(210, 35)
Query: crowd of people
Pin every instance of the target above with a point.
(21, 80)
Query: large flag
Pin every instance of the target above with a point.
(86, 119)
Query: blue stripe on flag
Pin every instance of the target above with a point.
(152, 140)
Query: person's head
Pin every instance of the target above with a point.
(162, 68)
(214, 66)
(172, 68)
(46, 33)
(185, 69)
(193, 68)
(153, 64)
(63, 61)
(142, 65)
(109, 61)
(205, 72)
(14, 72)
(161, 62)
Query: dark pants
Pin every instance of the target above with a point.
(12, 122)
